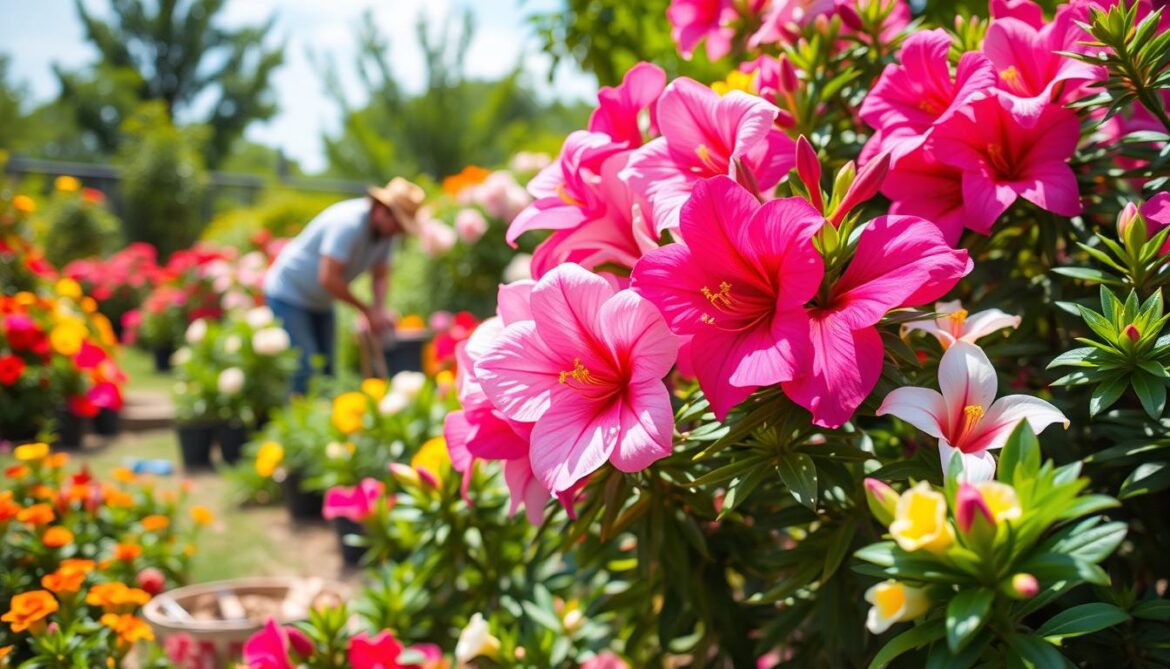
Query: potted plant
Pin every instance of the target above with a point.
(197, 393)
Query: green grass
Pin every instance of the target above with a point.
(139, 367)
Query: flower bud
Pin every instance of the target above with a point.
(151, 580)
(405, 475)
(1023, 586)
(1129, 214)
(789, 81)
(1132, 228)
(808, 168)
(849, 16)
(1132, 332)
(869, 179)
(974, 518)
(882, 500)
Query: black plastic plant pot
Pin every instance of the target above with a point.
(405, 355)
(231, 436)
(195, 440)
(108, 423)
(301, 504)
(162, 359)
(70, 431)
(352, 555)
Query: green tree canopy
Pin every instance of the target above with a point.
(174, 52)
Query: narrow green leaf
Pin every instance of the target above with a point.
(966, 615)
(1154, 609)
(1083, 619)
(907, 641)
(839, 544)
(1145, 479)
(799, 473)
(1039, 652)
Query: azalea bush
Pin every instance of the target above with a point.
(121, 282)
(82, 556)
(761, 305)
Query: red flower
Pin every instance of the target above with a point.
(11, 367)
(23, 333)
(81, 406)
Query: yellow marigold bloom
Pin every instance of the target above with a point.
(268, 458)
(202, 515)
(432, 458)
(155, 522)
(894, 602)
(37, 514)
(1001, 499)
(736, 81)
(24, 204)
(920, 520)
(67, 335)
(349, 410)
(57, 537)
(57, 460)
(412, 322)
(68, 288)
(124, 475)
(67, 184)
(130, 628)
(444, 378)
(375, 388)
(127, 552)
(29, 608)
(32, 452)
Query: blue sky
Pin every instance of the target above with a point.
(42, 32)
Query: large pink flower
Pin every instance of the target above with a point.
(692, 21)
(1001, 159)
(587, 371)
(919, 91)
(900, 261)
(918, 184)
(783, 19)
(353, 503)
(270, 647)
(705, 135)
(966, 418)
(618, 108)
(1032, 72)
(738, 282)
(379, 652)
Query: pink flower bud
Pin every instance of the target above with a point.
(849, 16)
(971, 510)
(151, 580)
(1127, 217)
(808, 168)
(869, 179)
(300, 642)
(1024, 586)
(882, 500)
(789, 81)
(1131, 331)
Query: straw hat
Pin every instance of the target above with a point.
(404, 199)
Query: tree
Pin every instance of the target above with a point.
(454, 122)
(12, 95)
(172, 51)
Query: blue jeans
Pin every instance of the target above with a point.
(313, 332)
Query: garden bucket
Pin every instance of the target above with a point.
(162, 359)
(301, 504)
(231, 436)
(70, 431)
(195, 441)
(206, 625)
(406, 353)
(108, 423)
(350, 553)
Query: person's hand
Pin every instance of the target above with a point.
(379, 320)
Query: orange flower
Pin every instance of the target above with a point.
(78, 492)
(29, 608)
(77, 564)
(124, 475)
(5, 650)
(116, 498)
(24, 204)
(470, 176)
(68, 578)
(8, 508)
(37, 514)
(127, 552)
(155, 523)
(17, 472)
(57, 460)
(130, 628)
(114, 596)
(42, 491)
(202, 515)
(56, 537)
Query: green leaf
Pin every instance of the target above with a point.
(907, 641)
(1051, 567)
(839, 544)
(1092, 544)
(1106, 394)
(800, 475)
(1151, 392)
(881, 553)
(1020, 457)
(966, 615)
(1083, 619)
(1083, 506)
(1074, 358)
(1088, 274)
(1145, 479)
(743, 486)
(1039, 652)
(1154, 609)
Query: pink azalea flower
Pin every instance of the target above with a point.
(692, 21)
(900, 261)
(1032, 72)
(965, 417)
(618, 107)
(919, 91)
(784, 18)
(705, 135)
(379, 652)
(269, 648)
(958, 325)
(920, 185)
(1026, 11)
(353, 503)
(587, 371)
(1002, 159)
(738, 283)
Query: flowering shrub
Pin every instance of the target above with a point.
(121, 282)
(82, 556)
(75, 223)
(22, 265)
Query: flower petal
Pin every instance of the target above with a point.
(519, 372)
(634, 330)
(977, 467)
(573, 439)
(647, 426)
(985, 322)
(1007, 412)
(921, 407)
(846, 364)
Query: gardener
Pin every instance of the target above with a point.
(316, 267)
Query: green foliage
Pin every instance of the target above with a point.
(174, 53)
(280, 212)
(164, 181)
(73, 226)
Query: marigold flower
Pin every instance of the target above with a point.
(24, 204)
(57, 537)
(67, 336)
(31, 452)
(16, 472)
(920, 520)
(8, 508)
(57, 460)
(67, 184)
(37, 514)
(29, 608)
(202, 515)
(127, 552)
(155, 523)
(375, 388)
(68, 288)
(349, 410)
(124, 475)
(117, 499)
(268, 458)
(130, 628)
(114, 596)
(68, 579)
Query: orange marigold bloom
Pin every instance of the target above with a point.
(16, 472)
(155, 523)
(65, 580)
(42, 491)
(8, 508)
(127, 552)
(37, 514)
(24, 204)
(118, 498)
(130, 628)
(57, 460)
(77, 564)
(124, 475)
(56, 537)
(29, 608)
(202, 515)
(470, 176)
(114, 596)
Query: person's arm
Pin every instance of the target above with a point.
(380, 280)
(332, 278)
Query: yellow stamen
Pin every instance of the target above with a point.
(957, 319)
(1011, 77)
(566, 198)
(972, 414)
(579, 373)
(720, 299)
(705, 157)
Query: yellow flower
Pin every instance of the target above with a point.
(32, 452)
(894, 602)
(375, 388)
(105, 330)
(67, 184)
(268, 458)
(24, 204)
(68, 288)
(130, 628)
(1000, 499)
(432, 458)
(444, 378)
(736, 81)
(25, 299)
(412, 322)
(920, 520)
(29, 608)
(202, 515)
(349, 410)
(67, 335)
